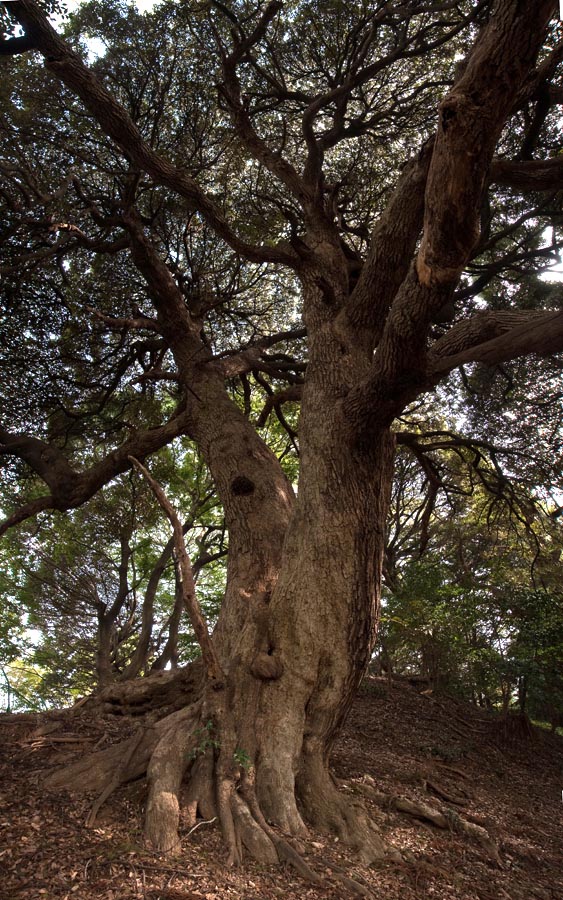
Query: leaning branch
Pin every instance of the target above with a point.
(210, 659)
(472, 116)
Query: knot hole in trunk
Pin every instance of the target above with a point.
(242, 486)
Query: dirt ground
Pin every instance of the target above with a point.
(401, 743)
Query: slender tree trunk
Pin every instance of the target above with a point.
(105, 673)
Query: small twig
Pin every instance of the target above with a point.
(203, 822)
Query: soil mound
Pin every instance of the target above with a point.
(473, 804)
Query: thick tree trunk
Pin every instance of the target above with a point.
(323, 613)
(296, 662)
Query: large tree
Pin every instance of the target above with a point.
(392, 160)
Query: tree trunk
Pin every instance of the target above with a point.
(296, 663)
(322, 620)
(105, 671)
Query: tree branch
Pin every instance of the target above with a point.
(472, 116)
(471, 119)
(542, 335)
(71, 488)
(231, 89)
(529, 175)
(275, 401)
(16, 45)
(118, 125)
(27, 511)
(392, 246)
(210, 658)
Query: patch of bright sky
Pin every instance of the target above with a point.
(555, 272)
(96, 47)
(142, 5)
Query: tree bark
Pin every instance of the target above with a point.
(323, 612)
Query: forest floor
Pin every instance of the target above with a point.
(402, 743)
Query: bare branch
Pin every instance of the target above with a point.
(210, 658)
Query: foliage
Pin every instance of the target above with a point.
(86, 361)
(481, 615)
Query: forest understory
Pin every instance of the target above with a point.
(417, 750)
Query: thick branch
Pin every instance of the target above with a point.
(392, 245)
(471, 119)
(45, 459)
(17, 45)
(485, 325)
(470, 123)
(541, 335)
(530, 175)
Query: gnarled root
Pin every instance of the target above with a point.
(96, 771)
(169, 761)
(331, 810)
(442, 817)
(158, 694)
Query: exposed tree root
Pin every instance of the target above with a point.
(116, 779)
(169, 761)
(331, 810)
(445, 794)
(96, 770)
(158, 694)
(441, 818)
(354, 887)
